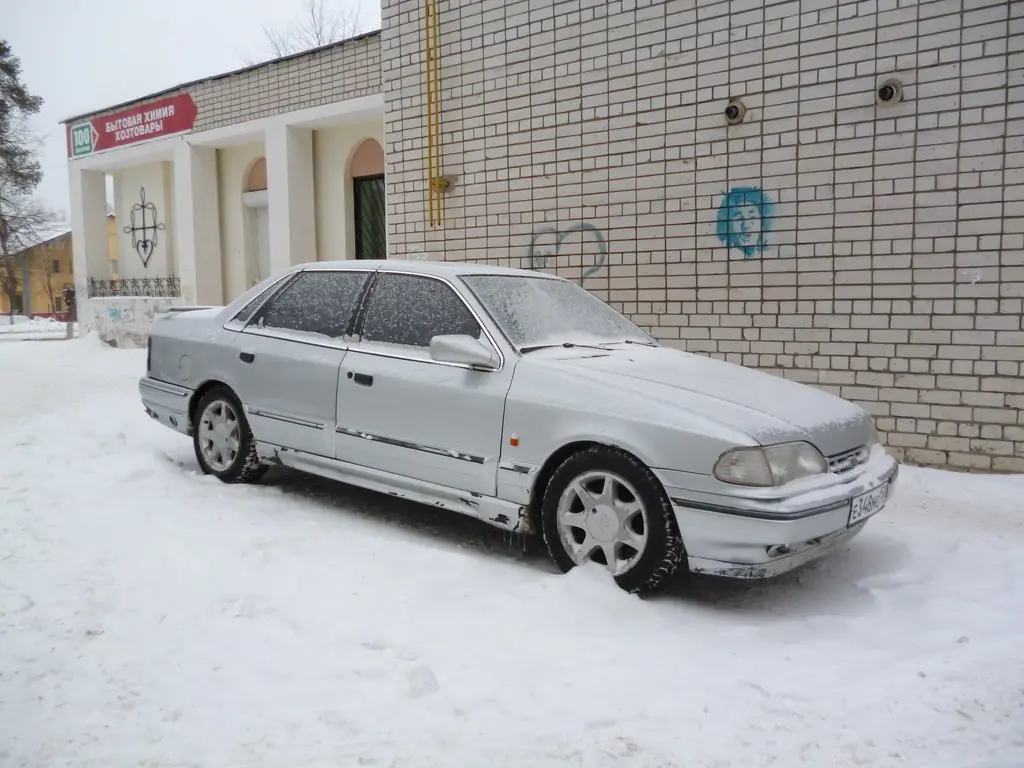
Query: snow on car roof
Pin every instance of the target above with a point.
(427, 267)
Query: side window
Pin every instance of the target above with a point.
(315, 302)
(411, 310)
(246, 313)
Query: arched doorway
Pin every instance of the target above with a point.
(367, 171)
(254, 198)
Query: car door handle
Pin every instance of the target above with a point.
(362, 378)
(246, 357)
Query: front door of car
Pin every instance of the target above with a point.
(403, 412)
(285, 362)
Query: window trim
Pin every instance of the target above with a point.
(309, 273)
(374, 348)
(286, 334)
(234, 324)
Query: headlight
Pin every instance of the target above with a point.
(770, 465)
(873, 436)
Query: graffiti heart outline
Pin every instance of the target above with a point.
(543, 260)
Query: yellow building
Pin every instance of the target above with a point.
(47, 268)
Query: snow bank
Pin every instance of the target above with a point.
(150, 615)
(31, 329)
(24, 324)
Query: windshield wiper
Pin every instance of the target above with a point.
(566, 344)
(571, 344)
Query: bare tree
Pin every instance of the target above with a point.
(44, 272)
(10, 274)
(24, 222)
(321, 23)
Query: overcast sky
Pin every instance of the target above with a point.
(83, 55)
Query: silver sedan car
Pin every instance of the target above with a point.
(521, 399)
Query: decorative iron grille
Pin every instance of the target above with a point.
(371, 231)
(163, 287)
(144, 228)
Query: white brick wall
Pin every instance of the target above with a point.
(588, 136)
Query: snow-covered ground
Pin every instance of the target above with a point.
(152, 616)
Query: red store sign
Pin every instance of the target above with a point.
(150, 121)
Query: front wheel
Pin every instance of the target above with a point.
(604, 505)
(222, 440)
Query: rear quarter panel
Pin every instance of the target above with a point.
(190, 348)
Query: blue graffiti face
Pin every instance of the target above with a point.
(744, 220)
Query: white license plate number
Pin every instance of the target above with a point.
(867, 504)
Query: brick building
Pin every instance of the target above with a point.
(828, 189)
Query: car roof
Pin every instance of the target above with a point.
(440, 268)
(443, 269)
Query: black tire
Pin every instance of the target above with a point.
(246, 467)
(664, 550)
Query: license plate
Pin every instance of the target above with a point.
(867, 504)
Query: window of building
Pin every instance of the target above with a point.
(58, 304)
(256, 176)
(371, 231)
(321, 302)
(56, 267)
(410, 310)
(366, 167)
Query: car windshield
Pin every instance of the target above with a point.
(539, 311)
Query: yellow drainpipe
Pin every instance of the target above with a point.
(435, 182)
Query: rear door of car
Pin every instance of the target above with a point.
(285, 362)
(401, 411)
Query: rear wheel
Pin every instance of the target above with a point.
(604, 505)
(222, 440)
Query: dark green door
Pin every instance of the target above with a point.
(371, 234)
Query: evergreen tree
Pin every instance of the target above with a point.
(23, 220)
(19, 166)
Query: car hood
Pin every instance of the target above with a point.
(766, 407)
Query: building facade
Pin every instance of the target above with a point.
(826, 189)
(221, 182)
(45, 270)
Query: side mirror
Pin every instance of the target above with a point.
(462, 349)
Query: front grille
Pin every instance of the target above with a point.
(847, 460)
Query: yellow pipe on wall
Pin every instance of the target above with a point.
(433, 93)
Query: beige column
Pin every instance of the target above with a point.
(197, 224)
(290, 196)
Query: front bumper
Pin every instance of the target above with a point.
(755, 538)
(166, 403)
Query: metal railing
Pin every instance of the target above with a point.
(164, 287)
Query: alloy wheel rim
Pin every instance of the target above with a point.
(219, 435)
(600, 515)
